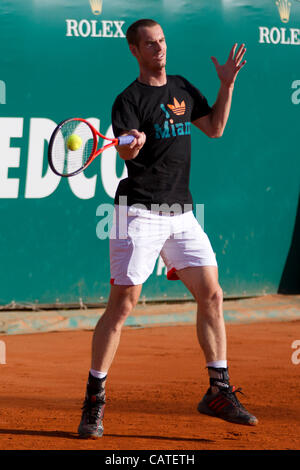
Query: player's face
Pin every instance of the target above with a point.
(151, 51)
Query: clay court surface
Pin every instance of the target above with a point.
(154, 386)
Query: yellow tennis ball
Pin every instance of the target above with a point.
(74, 142)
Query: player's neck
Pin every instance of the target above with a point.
(157, 78)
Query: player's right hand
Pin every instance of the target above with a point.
(131, 151)
(139, 141)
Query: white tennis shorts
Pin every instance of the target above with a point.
(139, 236)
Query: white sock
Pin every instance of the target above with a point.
(98, 374)
(217, 364)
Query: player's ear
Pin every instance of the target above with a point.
(133, 49)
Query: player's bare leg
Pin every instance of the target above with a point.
(220, 400)
(107, 333)
(106, 339)
(203, 283)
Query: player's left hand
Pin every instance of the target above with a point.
(227, 73)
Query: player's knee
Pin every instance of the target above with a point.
(120, 305)
(218, 296)
(121, 313)
(126, 309)
(211, 297)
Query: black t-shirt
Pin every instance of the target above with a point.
(160, 173)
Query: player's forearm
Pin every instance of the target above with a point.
(221, 109)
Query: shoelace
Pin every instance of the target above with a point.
(231, 394)
(93, 409)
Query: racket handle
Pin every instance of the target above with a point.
(126, 139)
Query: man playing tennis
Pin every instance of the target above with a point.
(153, 216)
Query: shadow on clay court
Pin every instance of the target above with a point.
(70, 435)
(28, 432)
(161, 438)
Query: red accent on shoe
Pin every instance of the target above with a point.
(222, 406)
(214, 405)
(218, 398)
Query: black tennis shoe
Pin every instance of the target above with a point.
(91, 424)
(225, 405)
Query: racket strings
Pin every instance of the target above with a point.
(66, 160)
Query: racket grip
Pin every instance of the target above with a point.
(126, 139)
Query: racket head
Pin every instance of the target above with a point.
(62, 159)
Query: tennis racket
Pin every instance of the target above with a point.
(74, 145)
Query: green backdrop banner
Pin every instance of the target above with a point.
(64, 58)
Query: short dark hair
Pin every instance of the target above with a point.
(132, 34)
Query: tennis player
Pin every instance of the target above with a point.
(153, 216)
